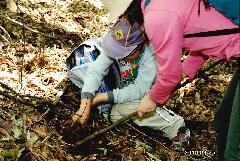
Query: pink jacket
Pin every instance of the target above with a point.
(166, 22)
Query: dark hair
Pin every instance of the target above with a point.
(134, 12)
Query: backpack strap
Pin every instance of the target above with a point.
(146, 3)
(214, 33)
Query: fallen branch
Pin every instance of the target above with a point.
(94, 135)
(16, 99)
(32, 97)
(40, 100)
(30, 29)
(98, 133)
(7, 87)
(31, 102)
(20, 24)
(150, 138)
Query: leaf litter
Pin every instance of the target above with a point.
(34, 64)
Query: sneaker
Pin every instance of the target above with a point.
(181, 141)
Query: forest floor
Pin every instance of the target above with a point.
(34, 126)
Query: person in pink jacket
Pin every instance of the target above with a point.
(166, 23)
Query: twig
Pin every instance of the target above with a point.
(7, 87)
(49, 136)
(24, 51)
(151, 138)
(24, 101)
(32, 97)
(152, 156)
(41, 99)
(4, 38)
(46, 112)
(199, 74)
(30, 29)
(62, 92)
(17, 99)
(24, 118)
(5, 31)
(94, 135)
(7, 139)
(35, 154)
(31, 102)
(148, 136)
(20, 24)
(10, 89)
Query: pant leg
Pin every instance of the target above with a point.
(222, 116)
(152, 119)
(232, 151)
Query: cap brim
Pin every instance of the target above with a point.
(112, 19)
(113, 49)
(115, 8)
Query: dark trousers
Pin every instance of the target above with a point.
(227, 122)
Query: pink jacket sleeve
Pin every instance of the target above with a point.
(165, 31)
(193, 63)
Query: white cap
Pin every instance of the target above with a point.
(116, 8)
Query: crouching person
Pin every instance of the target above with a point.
(126, 43)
